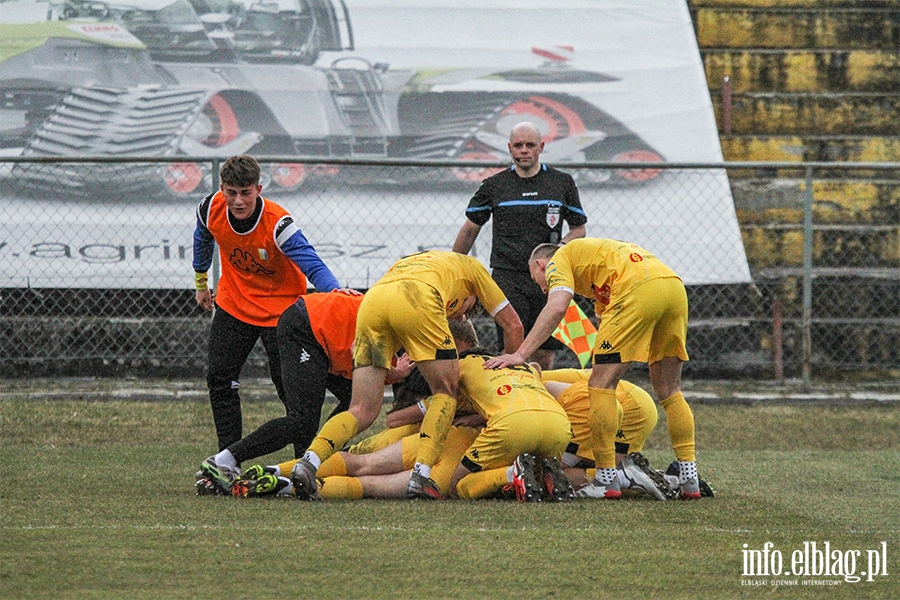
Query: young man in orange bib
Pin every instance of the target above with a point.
(265, 261)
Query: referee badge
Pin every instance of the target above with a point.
(552, 216)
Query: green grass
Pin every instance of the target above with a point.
(97, 502)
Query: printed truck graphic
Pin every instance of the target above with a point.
(213, 79)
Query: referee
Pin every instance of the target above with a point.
(529, 202)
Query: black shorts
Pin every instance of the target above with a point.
(528, 300)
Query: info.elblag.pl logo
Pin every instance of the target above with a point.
(820, 561)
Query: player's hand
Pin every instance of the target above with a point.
(504, 360)
(206, 299)
(348, 291)
(401, 370)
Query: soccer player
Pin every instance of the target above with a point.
(409, 307)
(315, 336)
(642, 308)
(529, 203)
(266, 261)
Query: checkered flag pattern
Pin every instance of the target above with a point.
(577, 332)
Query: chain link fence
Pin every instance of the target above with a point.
(97, 276)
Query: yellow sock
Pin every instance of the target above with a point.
(435, 426)
(604, 424)
(333, 467)
(481, 485)
(285, 468)
(680, 419)
(383, 439)
(336, 432)
(341, 488)
(458, 441)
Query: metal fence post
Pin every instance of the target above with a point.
(807, 278)
(726, 105)
(778, 339)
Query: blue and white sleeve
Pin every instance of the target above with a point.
(296, 247)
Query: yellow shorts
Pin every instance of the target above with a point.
(639, 417)
(637, 412)
(402, 314)
(645, 325)
(539, 432)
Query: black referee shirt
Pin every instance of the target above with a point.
(527, 212)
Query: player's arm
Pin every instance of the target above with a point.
(295, 245)
(414, 413)
(204, 247)
(465, 239)
(546, 323)
(513, 330)
(579, 231)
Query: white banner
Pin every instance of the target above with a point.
(589, 72)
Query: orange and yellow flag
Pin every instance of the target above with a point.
(577, 332)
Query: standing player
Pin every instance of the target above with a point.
(529, 202)
(265, 262)
(409, 308)
(643, 312)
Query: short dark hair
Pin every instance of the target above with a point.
(240, 171)
(463, 331)
(546, 250)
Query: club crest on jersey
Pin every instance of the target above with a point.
(263, 255)
(552, 216)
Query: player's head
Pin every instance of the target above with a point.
(463, 333)
(240, 185)
(240, 171)
(525, 146)
(537, 263)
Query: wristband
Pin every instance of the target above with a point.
(422, 406)
(200, 281)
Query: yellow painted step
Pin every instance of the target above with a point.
(803, 70)
(866, 201)
(891, 4)
(797, 148)
(860, 247)
(808, 113)
(850, 29)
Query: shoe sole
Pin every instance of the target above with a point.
(531, 490)
(214, 474)
(556, 485)
(302, 485)
(645, 479)
(206, 487)
(254, 488)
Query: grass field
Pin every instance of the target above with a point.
(97, 502)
